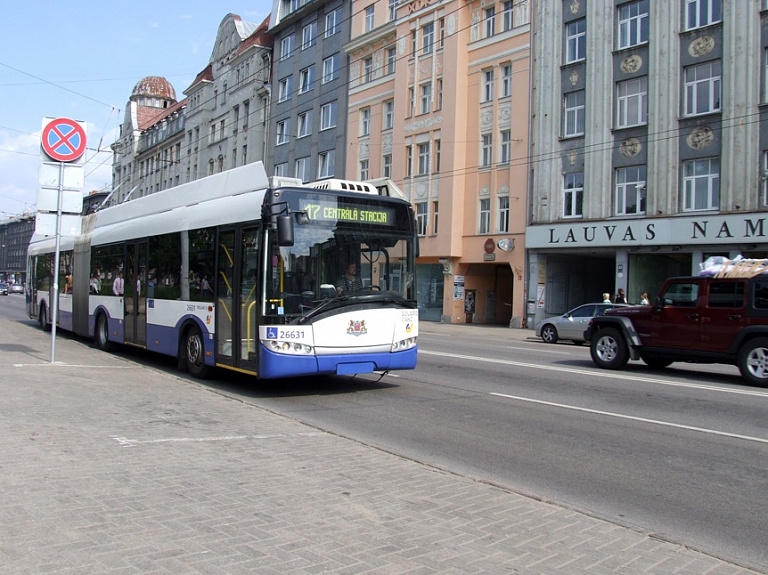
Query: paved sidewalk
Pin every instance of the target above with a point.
(108, 467)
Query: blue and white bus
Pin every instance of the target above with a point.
(230, 271)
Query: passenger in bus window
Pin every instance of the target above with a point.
(117, 285)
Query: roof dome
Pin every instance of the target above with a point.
(155, 87)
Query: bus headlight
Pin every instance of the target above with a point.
(404, 344)
(287, 347)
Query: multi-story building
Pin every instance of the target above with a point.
(220, 125)
(651, 147)
(15, 234)
(438, 102)
(309, 78)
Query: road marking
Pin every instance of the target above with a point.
(539, 350)
(633, 418)
(60, 364)
(125, 442)
(600, 373)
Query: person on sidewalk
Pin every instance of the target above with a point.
(620, 297)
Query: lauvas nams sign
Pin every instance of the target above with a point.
(701, 230)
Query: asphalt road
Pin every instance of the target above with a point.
(681, 453)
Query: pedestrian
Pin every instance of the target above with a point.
(117, 285)
(620, 297)
(606, 298)
(644, 299)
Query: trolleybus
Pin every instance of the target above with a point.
(240, 272)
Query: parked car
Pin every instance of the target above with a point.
(17, 288)
(571, 325)
(3, 288)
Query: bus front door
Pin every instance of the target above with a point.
(236, 299)
(135, 300)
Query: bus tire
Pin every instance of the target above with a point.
(101, 333)
(42, 318)
(194, 352)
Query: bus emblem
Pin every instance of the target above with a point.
(357, 327)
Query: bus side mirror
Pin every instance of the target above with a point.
(284, 230)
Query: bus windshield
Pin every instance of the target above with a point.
(348, 250)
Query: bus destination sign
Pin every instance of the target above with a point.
(331, 212)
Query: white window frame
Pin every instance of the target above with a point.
(505, 147)
(703, 87)
(392, 10)
(576, 41)
(422, 218)
(370, 18)
(632, 102)
(391, 60)
(701, 13)
(426, 97)
(435, 206)
(705, 183)
(304, 124)
(309, 36)
(428, 38)
(574, 113)
(301, 169)
(484, 216)
(283, 132)
(326, 164)
(284, 87)
(286, 47)
(507, 16)
(630, 190)
(503, 215)
(487, 85)
(633, 24)
(365, 121)
(573, 195)
(506, 81)
(368, 69)
(328, 113)
(333, 22)
(489, 17)
(486, 151)
(281, 170)
(386, 166)
(423, 152)
(363, 170)
(330, 69)
(389, 115)
(306, 79)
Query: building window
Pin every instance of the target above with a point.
(427, 38)
(286, 47)
(391, 60)
(330, 68)
(506, 80)
(630, 191)
(702, 88)
(423, 166)
(333, 22)
(633, 24)
(426, 98)
(434, 217)
(699, 13)
(365, 122)
(487, 150)
(411, 101)
(389, 114)
(490, 21)
(506, 16)
(283, 131)
(506, 147)
(522, 12)
(364, 173)
(574, 117)
(305, 124)
(306, 79)
(439, 101)
(326, 164)
(413, 43)
(484, 226)
(487, 85)
(632, 102)
(284, 89)
(701, 184)
(422, 215)
(369, 18)
(392, 13)
(281, 170)
(328, 115)
(302, 169)
(309, 36)
(386, 166)
(409, 161)
(436, 163)
(368, 69)
(573, 195)
(503, 214)
(765, 178)
(576, 41)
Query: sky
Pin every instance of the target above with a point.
(80, 60)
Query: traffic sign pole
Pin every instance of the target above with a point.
(56, 266)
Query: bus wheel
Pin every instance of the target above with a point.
(101, 333)
(194, 352)
(42, 318)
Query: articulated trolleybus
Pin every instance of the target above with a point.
(227, 271)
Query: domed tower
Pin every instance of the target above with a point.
(152, 95)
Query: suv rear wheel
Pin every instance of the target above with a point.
(608, 349)
(753, 361)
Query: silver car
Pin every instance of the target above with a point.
(571, 325)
